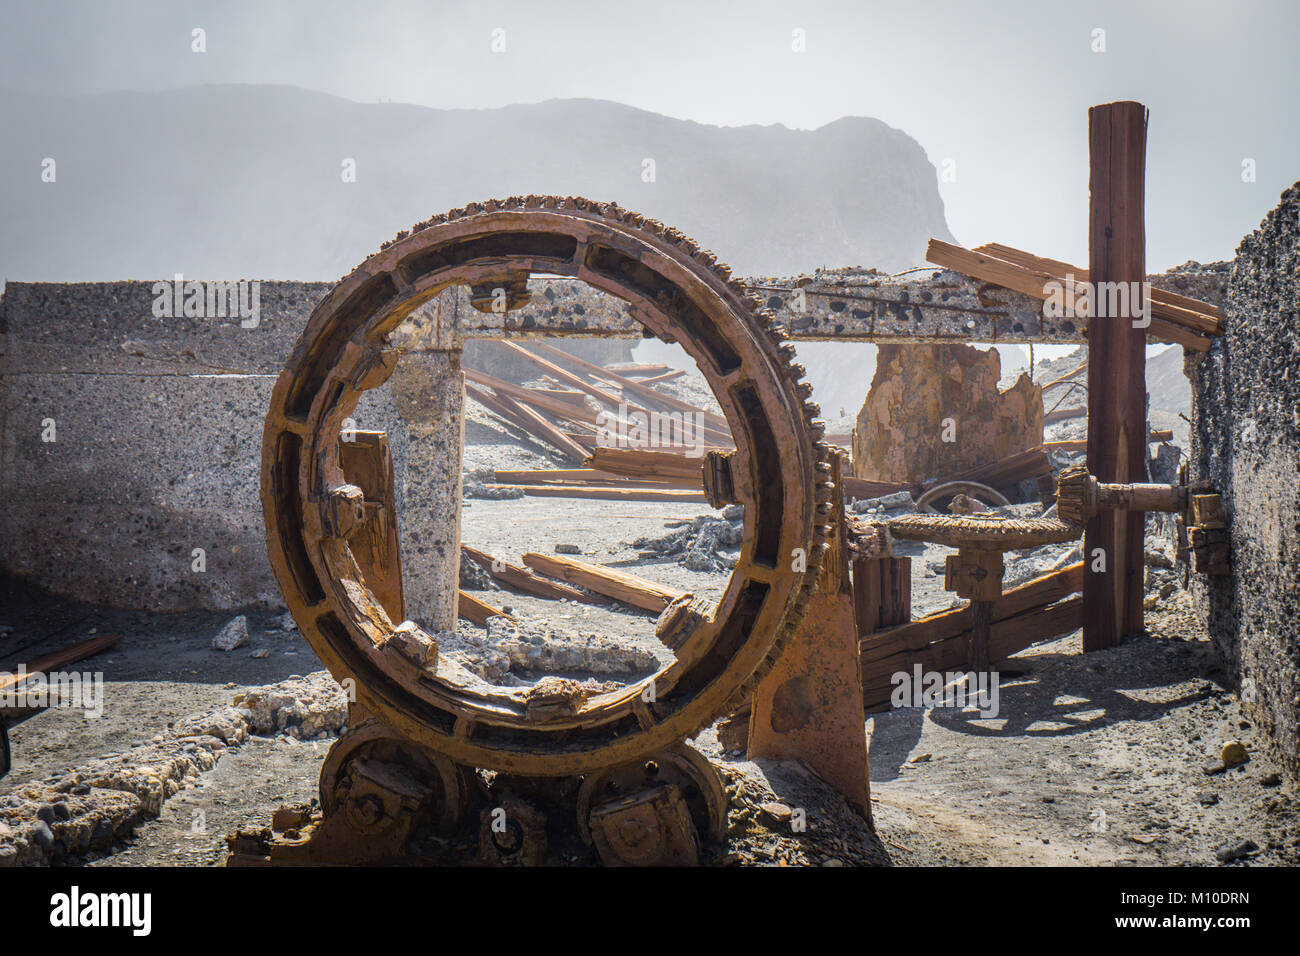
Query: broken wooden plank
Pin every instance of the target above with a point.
(367, 462)
(1194, 313)
(563, 375)
(619, 585)
(1081, 444)
(58, 659)
(530, 421)
(1035, 283)
(638, 368)
(642, 463)
(570, 395)
(1066, 377)
(606, 420)
(1006, 637)
(472, 609)
(605, 492)
(946, 625)
(581, 476)
(1062, 414)
(864, 488)
(636, 388)
(1005, 471)
(521, 579)
(665, 377)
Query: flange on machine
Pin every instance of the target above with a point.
(422, 728)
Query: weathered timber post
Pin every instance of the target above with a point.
(882, 593)
(1112, 592)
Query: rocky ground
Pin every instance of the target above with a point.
(1110, 758)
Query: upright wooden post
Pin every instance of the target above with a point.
(1113, 552)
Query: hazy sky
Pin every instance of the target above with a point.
(1001, 89)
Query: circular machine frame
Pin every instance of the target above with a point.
(680, 294)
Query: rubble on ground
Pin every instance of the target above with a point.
(514, 646)
(82, 812)
(898, 501)
(704, 543)
(482, 484)
(779, 814)
(233, 635)
(473, 576)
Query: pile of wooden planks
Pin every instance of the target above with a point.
(1174, 318)
(577, 417)
(562, 579)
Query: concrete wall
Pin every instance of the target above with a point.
(156, 450)
(157, 443)
(1246, 442)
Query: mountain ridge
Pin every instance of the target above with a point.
(244, 180)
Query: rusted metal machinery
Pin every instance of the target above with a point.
(1201, 513)
(975, 571)
(422, 726)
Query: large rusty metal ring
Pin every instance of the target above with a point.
(679, 293)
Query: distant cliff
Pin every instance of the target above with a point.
(245, 181)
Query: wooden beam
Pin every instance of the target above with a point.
(1193, 313)
(1029, 463)
(581, 476)
(882, 593)
(1034, 282)
(642, 463)
(1117, 428)
(564, 410)
(59, 659)
(367, 462)
(618, 585)
(636, 388)
(638, 368)
(1081, 444)
(563, 375)
(946, 625)
(521, 579)
(530, 421)
(472, 609)
(1061, 414)
(1066, 377)
(665, 377)
(606, 492)
(863, 488)
(1006, 637)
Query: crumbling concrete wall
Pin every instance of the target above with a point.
(130, 447)
(936, 410)
(1246, 443)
